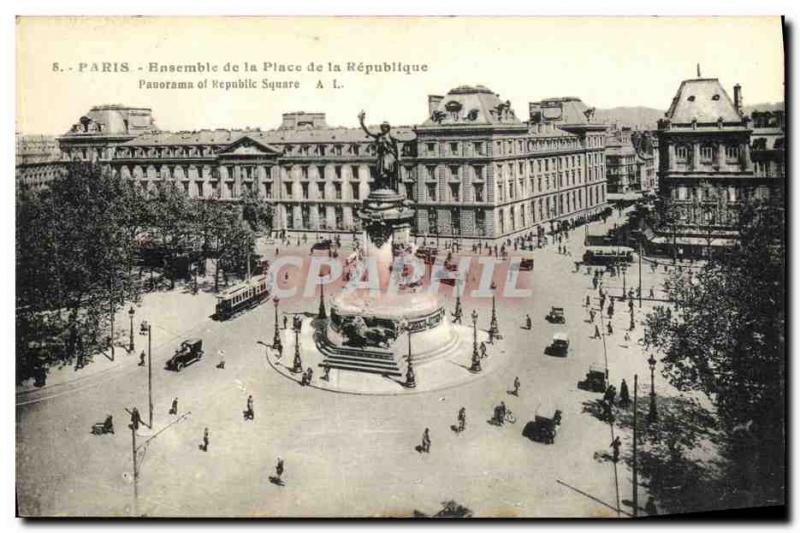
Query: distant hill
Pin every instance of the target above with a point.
(646, 118)
(638, 117)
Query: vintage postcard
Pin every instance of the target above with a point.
(400, 267)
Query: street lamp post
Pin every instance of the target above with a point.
(476, 358)
(131, 312)
(458, 311)
(322, 314)
(494, 330)
(652, 415)
(147, 327)
(411, 379)
(297, 365)
(624, 282)
(276, 340)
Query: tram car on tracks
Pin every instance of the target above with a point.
(242, 297)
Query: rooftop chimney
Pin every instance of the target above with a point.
(737, 97)
(433, 102)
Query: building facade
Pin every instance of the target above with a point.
(474, 169)
(706, 169)
(630, 164)
(38, 160)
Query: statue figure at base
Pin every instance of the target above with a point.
(387, 156)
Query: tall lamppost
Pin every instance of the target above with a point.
(476, 358)
(322, 314)
(494, 330)
(297, 365)
(147, 328)
(411, 379)
(624, 269)
(131, 312)
(652, 415)
(276, 339)
(458, 311)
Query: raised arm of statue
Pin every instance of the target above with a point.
(361, 116)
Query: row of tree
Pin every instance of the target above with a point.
(726, 339)
(83, 242)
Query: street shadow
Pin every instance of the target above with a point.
(276, 481)
(669, 467)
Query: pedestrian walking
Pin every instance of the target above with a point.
(610, 394)
(652, 293)
(204, 446)
(174, 409)
(632, 325)
(588, 301)
(483, 350)
(596, 332)
(610, 329)
(426, 441)
(462, 419)
(611, 309)
(624, 395)
(615, 444)
(221, 360)
(249, 413)
(279, 471)
(516, 386)
(141, 358)
(650, 507)
(528, 322)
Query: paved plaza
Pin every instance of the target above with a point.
(344, 454)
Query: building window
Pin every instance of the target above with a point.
(706, 153)
(431, 148)
(477, 190)
(337, 190)
(453, 148)
(354, 189)
(681, 152)
(430, 172)
(431, 191)
(479, 149)
(304, 187)
(732, 152)
(454, 172)
(455, 192)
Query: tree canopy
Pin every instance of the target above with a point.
(726, 339)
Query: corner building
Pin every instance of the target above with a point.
(474, 169)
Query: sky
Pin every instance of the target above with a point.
(607, 62)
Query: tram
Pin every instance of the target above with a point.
(241, 297)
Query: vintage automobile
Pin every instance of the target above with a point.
(188, 352)
(595, 379)
(559, 347)
(556, 315)
(322, 245)
(544, 426)
(526, 261)
(427, 254)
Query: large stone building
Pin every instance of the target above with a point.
(38, 160)
(630, 164)
(474, 169)
(706, 168)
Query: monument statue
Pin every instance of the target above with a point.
(387, 156)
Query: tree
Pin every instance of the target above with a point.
(225, 238)
(73, 259)
(256, 212)
(727, 340)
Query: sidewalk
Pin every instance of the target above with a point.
(172, 315)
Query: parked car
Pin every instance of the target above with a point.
(188, 352)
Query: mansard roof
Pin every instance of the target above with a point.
(703, 100)
(470, 106)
